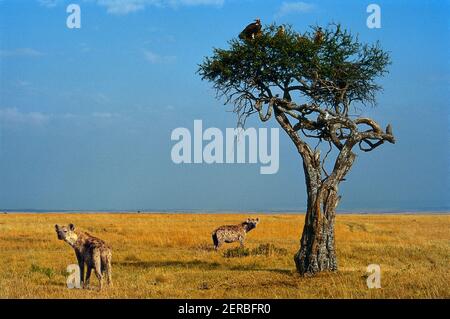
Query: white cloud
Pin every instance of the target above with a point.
(123, 7)
(156, 58)
(69, 116)
(105, 115)
(49, 3)
(22, 52)
(101, 98)
(84, 48)
(215, 3)
(14, 116)
(21, 83)
(293, 7)
(11, 117)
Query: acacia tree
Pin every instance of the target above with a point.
(309, 83)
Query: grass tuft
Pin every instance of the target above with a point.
(42, 270)
(268, 250)
(236, 252)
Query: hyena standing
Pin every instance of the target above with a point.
(233, 233)
(92, 251)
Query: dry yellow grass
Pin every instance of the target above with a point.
(170, 256)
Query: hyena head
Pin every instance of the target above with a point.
(250, 223)
(66, 233)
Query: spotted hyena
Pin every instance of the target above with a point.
(233, 233)
(90, 251)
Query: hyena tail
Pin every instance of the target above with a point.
(215, 240)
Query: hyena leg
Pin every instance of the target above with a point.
(108, 271)
(219, 242)
(88, 277)
(215, 241)
(241, 241)
(98, 270)
(81, 265)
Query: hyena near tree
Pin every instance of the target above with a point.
(92, 251)
(233, 233)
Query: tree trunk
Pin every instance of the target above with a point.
(317, 246)
(317, 251)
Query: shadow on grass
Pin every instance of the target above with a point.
(199, 264)
(352, 226)
(279, 271)
(170, 263)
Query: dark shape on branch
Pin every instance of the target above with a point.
(389, 129)
(318, 37)
(251, 31)
(280, 31)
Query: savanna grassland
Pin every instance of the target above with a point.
(171, 256)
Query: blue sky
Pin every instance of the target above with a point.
(86, 114)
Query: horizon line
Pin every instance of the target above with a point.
(225, 211)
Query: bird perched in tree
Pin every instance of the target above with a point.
(251, 31)
(280, 31)
(389, 129)
(318, 38)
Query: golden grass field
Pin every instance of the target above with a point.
(171, 256)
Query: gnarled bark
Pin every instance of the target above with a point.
(317, 250)
(317, 246)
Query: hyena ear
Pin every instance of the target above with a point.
(56, 226)
(257, 219)
(71, 226)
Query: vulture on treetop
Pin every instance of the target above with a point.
(250, 31)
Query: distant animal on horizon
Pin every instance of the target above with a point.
(233, 233)
(251, 31)
(90, 251)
